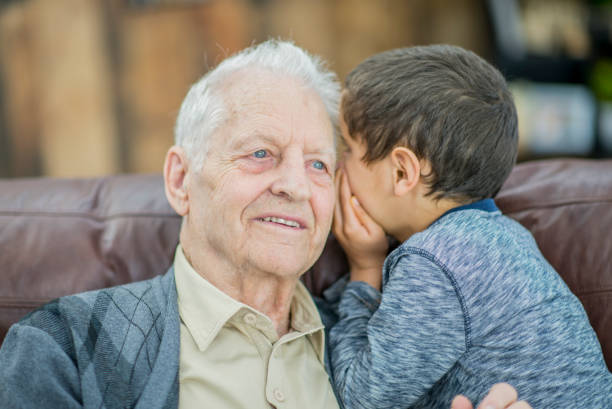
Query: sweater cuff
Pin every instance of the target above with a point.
(357, 295)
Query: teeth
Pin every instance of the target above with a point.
(289, 223)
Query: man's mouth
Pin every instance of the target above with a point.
(278, 220)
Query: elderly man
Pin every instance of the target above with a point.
(230, 323)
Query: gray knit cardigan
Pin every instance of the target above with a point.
(110, 348)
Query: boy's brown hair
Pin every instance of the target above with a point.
(446, 104)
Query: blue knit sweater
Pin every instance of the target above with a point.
(467, 303)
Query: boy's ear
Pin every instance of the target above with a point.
(176, 169)
(406, 170)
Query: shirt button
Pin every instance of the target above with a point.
(250, 318)
(278, 395)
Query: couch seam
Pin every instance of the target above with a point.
(580, 292)
(83, 215)
(23, 303)
(521, 208)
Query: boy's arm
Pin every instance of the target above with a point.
(389, 355)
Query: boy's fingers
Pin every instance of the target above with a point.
(461, 402)
(361, 215)
(520, 405)
(341, 205)
(349, 219)
(364, 218)
(337, 222)
(500, 396)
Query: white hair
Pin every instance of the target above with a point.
(203, 110)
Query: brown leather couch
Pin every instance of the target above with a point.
(64, 236)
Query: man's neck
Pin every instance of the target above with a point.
(265, 292)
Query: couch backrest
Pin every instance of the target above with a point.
(567, 206)
(59, 237)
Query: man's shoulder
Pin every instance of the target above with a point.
(95, 339)
(77, 311)
(124, 292)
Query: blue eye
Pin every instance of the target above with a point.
(317, 164)
(260, 154)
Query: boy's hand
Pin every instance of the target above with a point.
(363, 240)
(501, 396)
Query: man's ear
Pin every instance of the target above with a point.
(406, 170)
(176, 168)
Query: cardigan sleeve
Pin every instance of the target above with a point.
(36, 371)
(388, 351)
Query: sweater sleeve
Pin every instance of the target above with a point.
(36, 371)
(386, 352)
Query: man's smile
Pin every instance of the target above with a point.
(283, 221)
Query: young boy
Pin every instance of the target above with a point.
(467, 299)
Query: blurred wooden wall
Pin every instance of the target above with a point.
(92, 87)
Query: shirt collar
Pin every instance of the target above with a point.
(202, 307)
(305, 318)
(205, 309)
(486, 205)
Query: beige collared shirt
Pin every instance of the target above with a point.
(232, 357)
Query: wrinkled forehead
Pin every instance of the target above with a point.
(244, 88)
(270, 103)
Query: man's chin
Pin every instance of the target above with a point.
(285, 256)
(283, 263)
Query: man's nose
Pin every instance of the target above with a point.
(292, 180)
